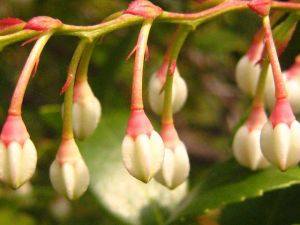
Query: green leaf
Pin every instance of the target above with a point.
(9, 216)
(120, 194)
(229, 183)
(280, 207)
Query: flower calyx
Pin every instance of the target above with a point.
(257, 118)
(14, 129)
(282, 113)
(143, 8)
(139, 123)
(169, 135)
(43, 23)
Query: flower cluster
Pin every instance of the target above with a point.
(81, 114)
(257, 144)
(261, 141)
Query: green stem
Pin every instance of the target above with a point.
(83, 67)
(137, 83)
(174, 49)
(260, 88)
(17, 36)
(32, 61)
(121, 20)
(67, 132)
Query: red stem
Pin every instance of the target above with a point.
(280, 89)
(137, 83)
(18, 95)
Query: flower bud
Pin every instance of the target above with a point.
(142, 147)
(18, 155)
(86, 110)
(246, 142)
(10, 25)
(176, 166)
(280, 137)
(156, 92)
(246, 75)
(43, 23)
(143, 8)
(69, 174)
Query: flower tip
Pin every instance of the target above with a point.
(143, 8)
(43, 23)
(10, 22)
(261, 7)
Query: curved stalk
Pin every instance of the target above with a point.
(83, 67)
(137, 83)
(174, 49)
(67, 132)
(31, 63)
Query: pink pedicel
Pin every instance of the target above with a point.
(10, 22)
(143, 8)
(14, 129)
(256, 49)
(294, 70)
(162, 72)
(169, 135)
(138, 124)
(43, 23)
(257, 118)
(282, 113)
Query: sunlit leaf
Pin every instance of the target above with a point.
(228, 183)
(122, 195)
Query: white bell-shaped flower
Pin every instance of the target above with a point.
(86, 111)
(142, 147)
(247, 75)
(176, 166)
(246, 142)
(280, 137)
(69, 174)
(18, 156)
(156, 92)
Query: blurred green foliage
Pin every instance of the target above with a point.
(214, 105)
